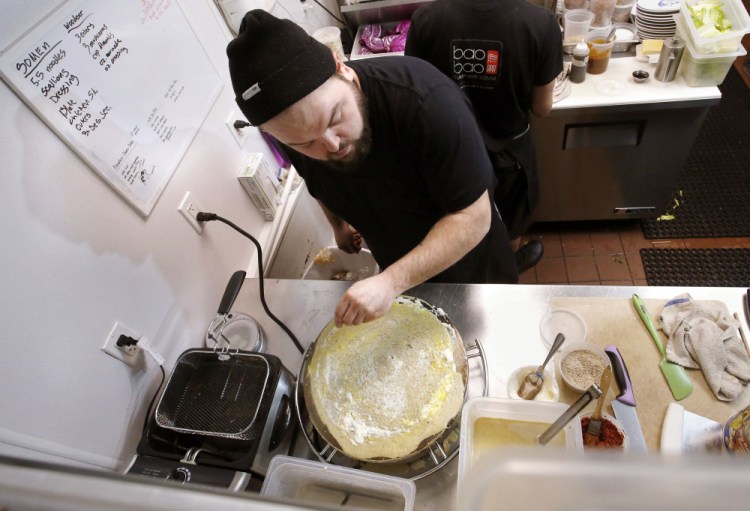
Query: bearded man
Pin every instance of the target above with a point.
(390, 149)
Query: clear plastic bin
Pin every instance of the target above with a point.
(704, 69)
(564, 481)
(357, 46)
(314, 482)
(515, 411)
(724, 43)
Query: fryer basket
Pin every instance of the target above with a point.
(215, 393)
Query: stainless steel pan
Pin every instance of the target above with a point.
(305, 385)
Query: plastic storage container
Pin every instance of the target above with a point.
(314, 482)
(580, 381)
(724, 43)
(514, 411)
(705, 69)
(357, 45)
(563, 481)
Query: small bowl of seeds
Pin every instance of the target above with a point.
(581, 364)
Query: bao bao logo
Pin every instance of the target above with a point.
(475, 62)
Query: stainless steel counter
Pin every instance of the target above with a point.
(504, 317)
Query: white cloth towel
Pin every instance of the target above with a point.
(702, 334)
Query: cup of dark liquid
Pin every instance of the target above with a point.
(600, 51)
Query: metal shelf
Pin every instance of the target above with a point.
(378, 11)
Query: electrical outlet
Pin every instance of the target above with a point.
(240, 135)
(127, 354)
(190, 208)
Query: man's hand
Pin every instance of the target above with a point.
(347, 238)
(365, 300)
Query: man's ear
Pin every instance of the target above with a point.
(342, 69)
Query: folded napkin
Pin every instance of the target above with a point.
(702, 334)
(562, 84)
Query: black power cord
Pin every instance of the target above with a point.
(125, 340)
(208, 217)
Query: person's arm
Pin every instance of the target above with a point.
(541, 99)
(451, 238)
(347, 238)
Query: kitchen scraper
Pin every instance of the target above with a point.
(677, 379)
(684, 432)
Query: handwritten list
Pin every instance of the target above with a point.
(126, 84)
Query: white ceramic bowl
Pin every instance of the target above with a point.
(618, 424)
(580, 371)
(549, 392)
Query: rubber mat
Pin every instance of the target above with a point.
(709, 267)
(712, 197)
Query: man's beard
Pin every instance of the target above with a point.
(360, 147)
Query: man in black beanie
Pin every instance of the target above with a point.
(390, 149)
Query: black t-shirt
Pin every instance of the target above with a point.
(497, 51)
(427, 160)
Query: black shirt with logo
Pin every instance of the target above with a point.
(427, 160)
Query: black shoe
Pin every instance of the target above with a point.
(528, 255)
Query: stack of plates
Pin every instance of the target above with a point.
(653, 18)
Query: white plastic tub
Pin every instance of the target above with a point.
(704, 69)
(314, 482)
(724, 43)
(537, 415)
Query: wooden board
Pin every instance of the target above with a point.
(614, 321)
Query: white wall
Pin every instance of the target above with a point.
(76, 258)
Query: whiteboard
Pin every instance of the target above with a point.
(126, 84)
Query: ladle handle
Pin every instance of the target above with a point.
(592, 393)
(555, 346)
(230, 293)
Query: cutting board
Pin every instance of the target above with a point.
(614, 321)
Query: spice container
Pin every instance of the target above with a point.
(580, 364)
(580, 62)
(613, 435)
(600, 50)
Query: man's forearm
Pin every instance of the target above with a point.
(451, 238)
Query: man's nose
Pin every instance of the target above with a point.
(331, 141)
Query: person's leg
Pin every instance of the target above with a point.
(512, 202)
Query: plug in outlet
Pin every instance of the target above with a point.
(190, 208)
(127, 354)
(240, 135)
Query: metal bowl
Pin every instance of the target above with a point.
(305, 384)
(640, 76)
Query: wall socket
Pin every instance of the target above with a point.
(190, 208)
(127, 354)
(239, 135)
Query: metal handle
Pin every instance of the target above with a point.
(483, 359)
(640, 307)
(592, 393)
(230, 293)
(555, 346)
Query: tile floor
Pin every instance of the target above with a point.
(602, 253)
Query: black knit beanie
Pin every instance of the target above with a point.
(273, 64)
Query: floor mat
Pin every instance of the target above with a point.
(712, 198)
(708, 267)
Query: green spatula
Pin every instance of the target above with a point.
(677, 379)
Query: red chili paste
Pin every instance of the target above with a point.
(610, 437)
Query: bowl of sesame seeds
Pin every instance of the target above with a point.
(581, 364)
